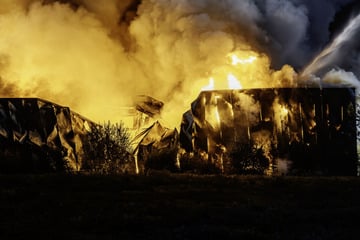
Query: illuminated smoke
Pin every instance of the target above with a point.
(244, 101)
(55, 53)
(96, 57)
(341, 77)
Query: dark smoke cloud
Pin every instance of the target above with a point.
(350, 59)
(297, 29)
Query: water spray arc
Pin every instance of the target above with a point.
(327, 55)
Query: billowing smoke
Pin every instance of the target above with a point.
(54, 52)
(95, 56)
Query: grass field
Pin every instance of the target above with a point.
(163, 206)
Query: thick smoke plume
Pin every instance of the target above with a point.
(95, 56)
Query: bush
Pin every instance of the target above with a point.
(162, 160)
(248, 159)
(108, 149)
(197, 163)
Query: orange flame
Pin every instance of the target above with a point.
(241, 62)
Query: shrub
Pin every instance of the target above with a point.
(108, 149)
(248, 159)
(162, 160)
(197, 163)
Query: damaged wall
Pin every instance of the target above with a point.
(40, 136)
(299, 130)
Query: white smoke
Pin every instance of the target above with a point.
(248, 105)
(283, 166)
(341, 78)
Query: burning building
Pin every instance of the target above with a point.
(270, 130)
(126, 49)
(274, 130)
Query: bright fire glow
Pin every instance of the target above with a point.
(284, 111)
(246, 64)
(236, 60)
(233, 82)
(211, 85)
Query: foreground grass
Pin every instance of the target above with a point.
(178, 207)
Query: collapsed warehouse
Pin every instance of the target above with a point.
(259, 131)
(274, 131)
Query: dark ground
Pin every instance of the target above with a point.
(178, 207)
